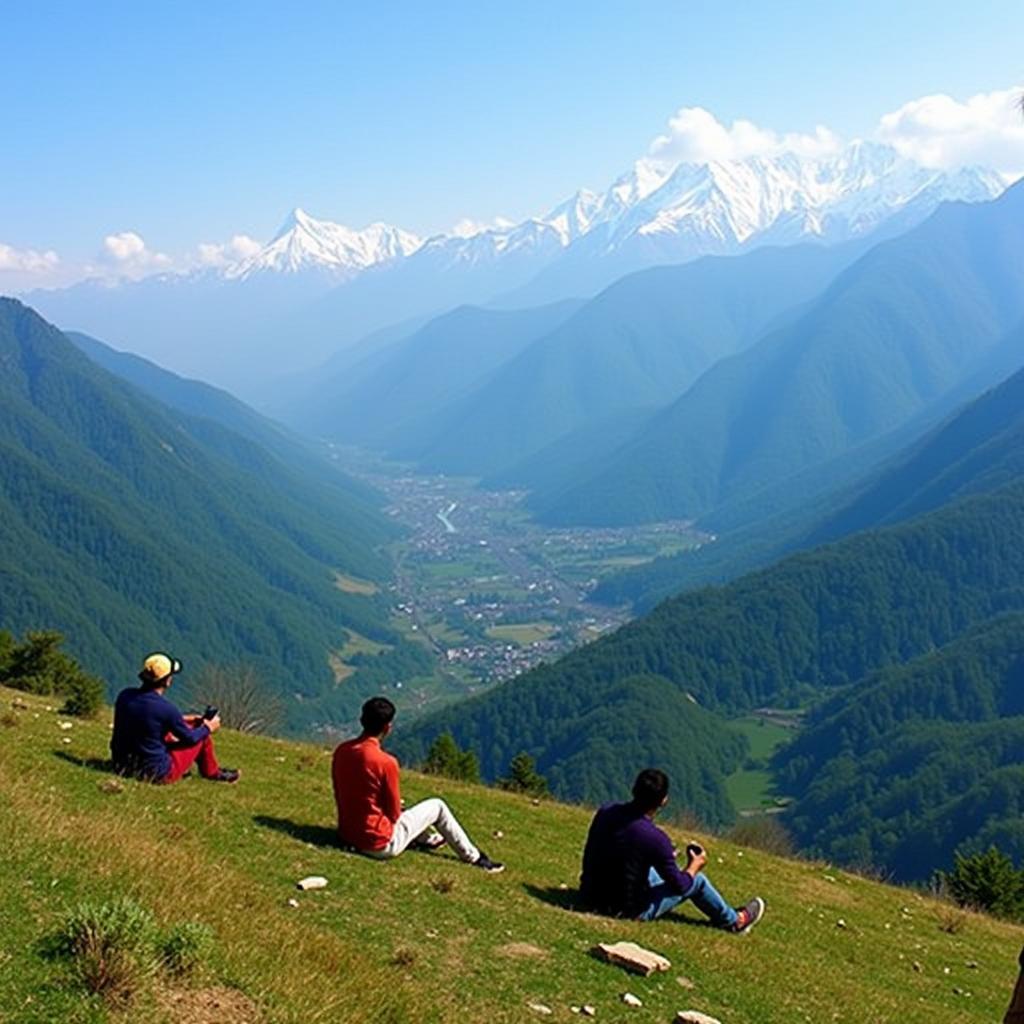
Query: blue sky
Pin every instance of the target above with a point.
(189, 122)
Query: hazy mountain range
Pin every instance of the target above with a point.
(318, 286)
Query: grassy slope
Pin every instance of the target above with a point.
(425, 938)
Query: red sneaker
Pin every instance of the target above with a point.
(748, 916)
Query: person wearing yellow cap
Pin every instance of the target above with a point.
(153, 740)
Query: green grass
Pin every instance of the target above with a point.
(424, 938)
(753, 788)
(355, 585)
(522, 634)
(359, 644)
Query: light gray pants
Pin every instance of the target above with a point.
(417, 819)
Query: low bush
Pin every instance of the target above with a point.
(111, 948)
(186, 947)
(115, 949)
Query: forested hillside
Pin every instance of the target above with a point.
(398, 391)
(637, 345)
(782, 636)
(919, 759)
(129, 529)
(904, 326)
(201, 401)
(978, 448)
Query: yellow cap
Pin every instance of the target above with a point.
(159, 666)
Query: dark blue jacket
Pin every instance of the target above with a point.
(142, 721)
(622, 846)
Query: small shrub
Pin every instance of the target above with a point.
(111, 947)
(9, 719)
(84, 695)
(763, 832)
(185, 948)
(443, 885)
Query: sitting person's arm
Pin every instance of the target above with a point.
(179, 727)
(668, 868)
(390, 795)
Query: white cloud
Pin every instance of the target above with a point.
(129, 255)
(222, 254)
(939, 131)
(467, 227)
(27, 261)
(695, 135)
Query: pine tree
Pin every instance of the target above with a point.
(987, 881)
(523, 777)
(445, 758)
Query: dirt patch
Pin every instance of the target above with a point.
(521, 949)
(215, 1005)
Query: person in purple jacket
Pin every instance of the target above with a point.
(153, 740)
(630, 867)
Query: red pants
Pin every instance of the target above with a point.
(182, 758)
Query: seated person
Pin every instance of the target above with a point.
(630, 869)
(370, 815)
(152, 740)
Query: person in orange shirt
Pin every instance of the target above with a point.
(370, 815)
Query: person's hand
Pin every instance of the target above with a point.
(193, 720)
(213, 723)
(696, 858)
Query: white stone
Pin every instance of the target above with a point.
(695, 1017)
(631, 1000)
(544, 1011)
(312, 882)
(633, 957)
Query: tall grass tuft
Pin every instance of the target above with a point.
(185, 948)
(111, 947)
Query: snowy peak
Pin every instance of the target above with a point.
(304, 243)
(719, 205)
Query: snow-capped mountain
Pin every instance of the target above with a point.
(328, 285)
(652, 215)
(304, 243)
(723, 207)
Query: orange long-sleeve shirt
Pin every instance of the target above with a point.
(366, 793)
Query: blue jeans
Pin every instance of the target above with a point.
(706, 898)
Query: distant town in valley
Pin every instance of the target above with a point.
(490, 591)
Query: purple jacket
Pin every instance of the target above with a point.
(623, 844)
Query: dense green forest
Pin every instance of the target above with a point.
(917, 760)
(209, 408)
(589, 741)
(127, 529)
